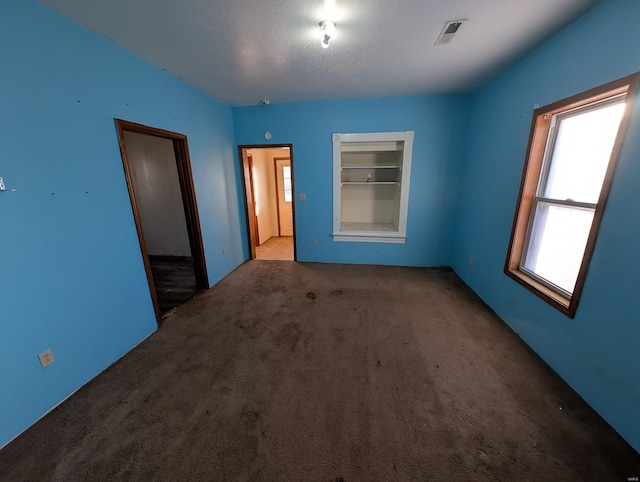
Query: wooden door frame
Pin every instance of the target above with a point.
(275, 169)
(250, 205)
(253, 205)
(187, 190)
(248, 195)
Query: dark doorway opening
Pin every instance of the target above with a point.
(158, 172)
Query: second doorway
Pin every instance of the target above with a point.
(268, 174)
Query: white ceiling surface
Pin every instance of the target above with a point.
(243, 51)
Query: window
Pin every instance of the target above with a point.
(286, 176)
(573, 148)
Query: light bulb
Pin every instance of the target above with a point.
(328, 27)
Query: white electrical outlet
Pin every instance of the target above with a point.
(46, 358)
(224, 252)
(2, 188)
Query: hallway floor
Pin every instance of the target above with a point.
(276, 248)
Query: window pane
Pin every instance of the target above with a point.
(287, 190)
(286, 172)
(581, 154)
(557, 242)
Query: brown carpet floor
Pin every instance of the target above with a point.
(313, 372)
(276, 248)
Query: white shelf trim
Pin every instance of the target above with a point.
(370, 167)
(373, 183)
(402, 143)
(368, 227)
(369, 237)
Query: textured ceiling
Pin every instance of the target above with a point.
(243, 51)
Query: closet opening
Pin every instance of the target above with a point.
(158, 173)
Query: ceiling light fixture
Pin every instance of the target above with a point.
(327, 27)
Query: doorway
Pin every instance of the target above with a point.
(268, 184)
(158, 172)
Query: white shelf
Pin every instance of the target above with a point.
(377, 213)
(370, 167)
(372, 237)
(376, 146)
(369, 233)
(372, 183)
(377, 227)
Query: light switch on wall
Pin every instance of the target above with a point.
(46, 358)
(302, 196)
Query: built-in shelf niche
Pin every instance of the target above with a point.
(371, 186)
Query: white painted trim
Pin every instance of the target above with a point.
(406, 138)
(369, 237)
(374, 137)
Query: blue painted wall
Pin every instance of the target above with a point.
(597, 352)
(71, 276)
(438, 122)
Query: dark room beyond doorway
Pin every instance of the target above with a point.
(161, 189)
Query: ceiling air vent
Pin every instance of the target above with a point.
(449, 30)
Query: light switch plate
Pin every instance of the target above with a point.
(302, 196)
(46, 358)
(2, 188)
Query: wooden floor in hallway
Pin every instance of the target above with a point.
(174, 280)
